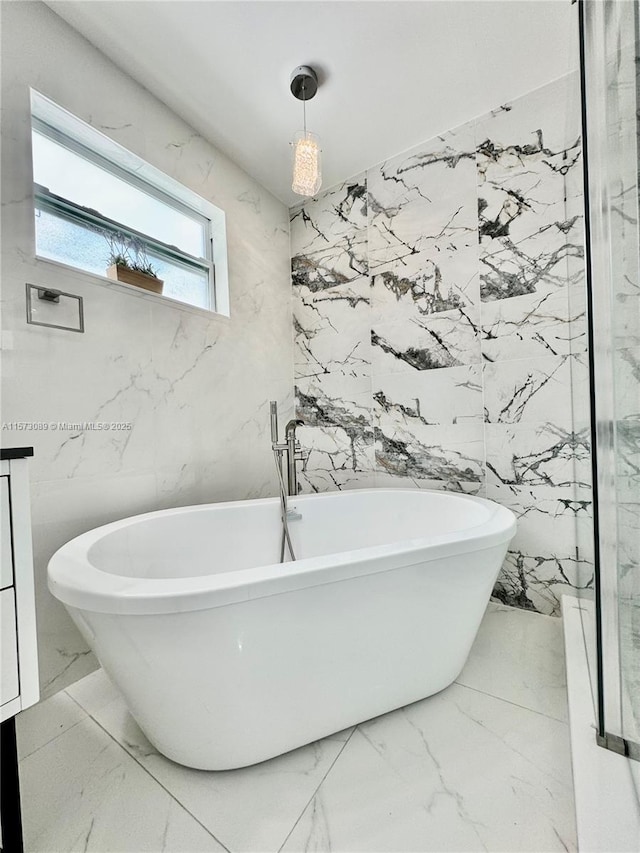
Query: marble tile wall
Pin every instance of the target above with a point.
(439, 323)
(196, 388)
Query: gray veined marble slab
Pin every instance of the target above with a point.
(525, 153)
(424, 199)
(387, 480)
(460, 771)
(552, 552)
(447, 339)
(544, 454)
(325, 219)
(426, 283)
(337, 435)
(332, 330)
(405, 446)
(544, 502)
(529, 326)
(248, 810)
(448, 396)
(537, 581)
(531, 390)
(332, 265)
(539, 132)
(522, 251)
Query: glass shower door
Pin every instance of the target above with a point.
(611, 102)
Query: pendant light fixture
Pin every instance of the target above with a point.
(307, 167)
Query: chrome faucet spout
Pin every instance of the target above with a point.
(292, 426)
(292, 454)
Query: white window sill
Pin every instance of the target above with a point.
(130, 289)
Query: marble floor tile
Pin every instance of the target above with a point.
(251, 809)
(82, 791)
(45, 721)
(458, 771)
(519, 656)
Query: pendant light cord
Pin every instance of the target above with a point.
(304, 109)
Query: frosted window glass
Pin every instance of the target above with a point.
(67, 174)
(87, 248)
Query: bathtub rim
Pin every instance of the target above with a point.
(76, 582)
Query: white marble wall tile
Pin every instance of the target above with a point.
(538, 581)
(535, 389)
(424, 199)
(552, 552)
(536, 455)
(530, 135)
(524, 155)
(428, 426)
(441, 455)
(386, 480)
(448, 396)
(115, 387)
(447, 339)
(519, 264)
(331, 329)
(475, 253)
(399, 786)
(416, 440)
(337, 435)
(331, 265)
(325, 219)
(425, 283)
(530, 326)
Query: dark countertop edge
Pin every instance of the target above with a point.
(15, 452)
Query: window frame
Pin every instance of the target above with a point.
(214, 235)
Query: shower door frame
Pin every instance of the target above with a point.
(593, 84)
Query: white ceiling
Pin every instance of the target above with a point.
(394, 73)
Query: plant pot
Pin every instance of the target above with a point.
(139, 279)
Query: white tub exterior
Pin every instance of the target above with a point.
(226, 657)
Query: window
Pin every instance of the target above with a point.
(95, 203)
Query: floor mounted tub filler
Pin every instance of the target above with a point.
(226, 657)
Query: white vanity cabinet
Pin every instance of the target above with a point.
(18, 646)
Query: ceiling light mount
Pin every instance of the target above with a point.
(304, 82)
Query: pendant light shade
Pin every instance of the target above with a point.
(307, 165)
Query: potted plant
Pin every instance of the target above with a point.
(128, 262)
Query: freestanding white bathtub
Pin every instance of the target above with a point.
(226, 657)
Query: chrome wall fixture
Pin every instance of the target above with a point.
(43, 313)
(307, 166)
